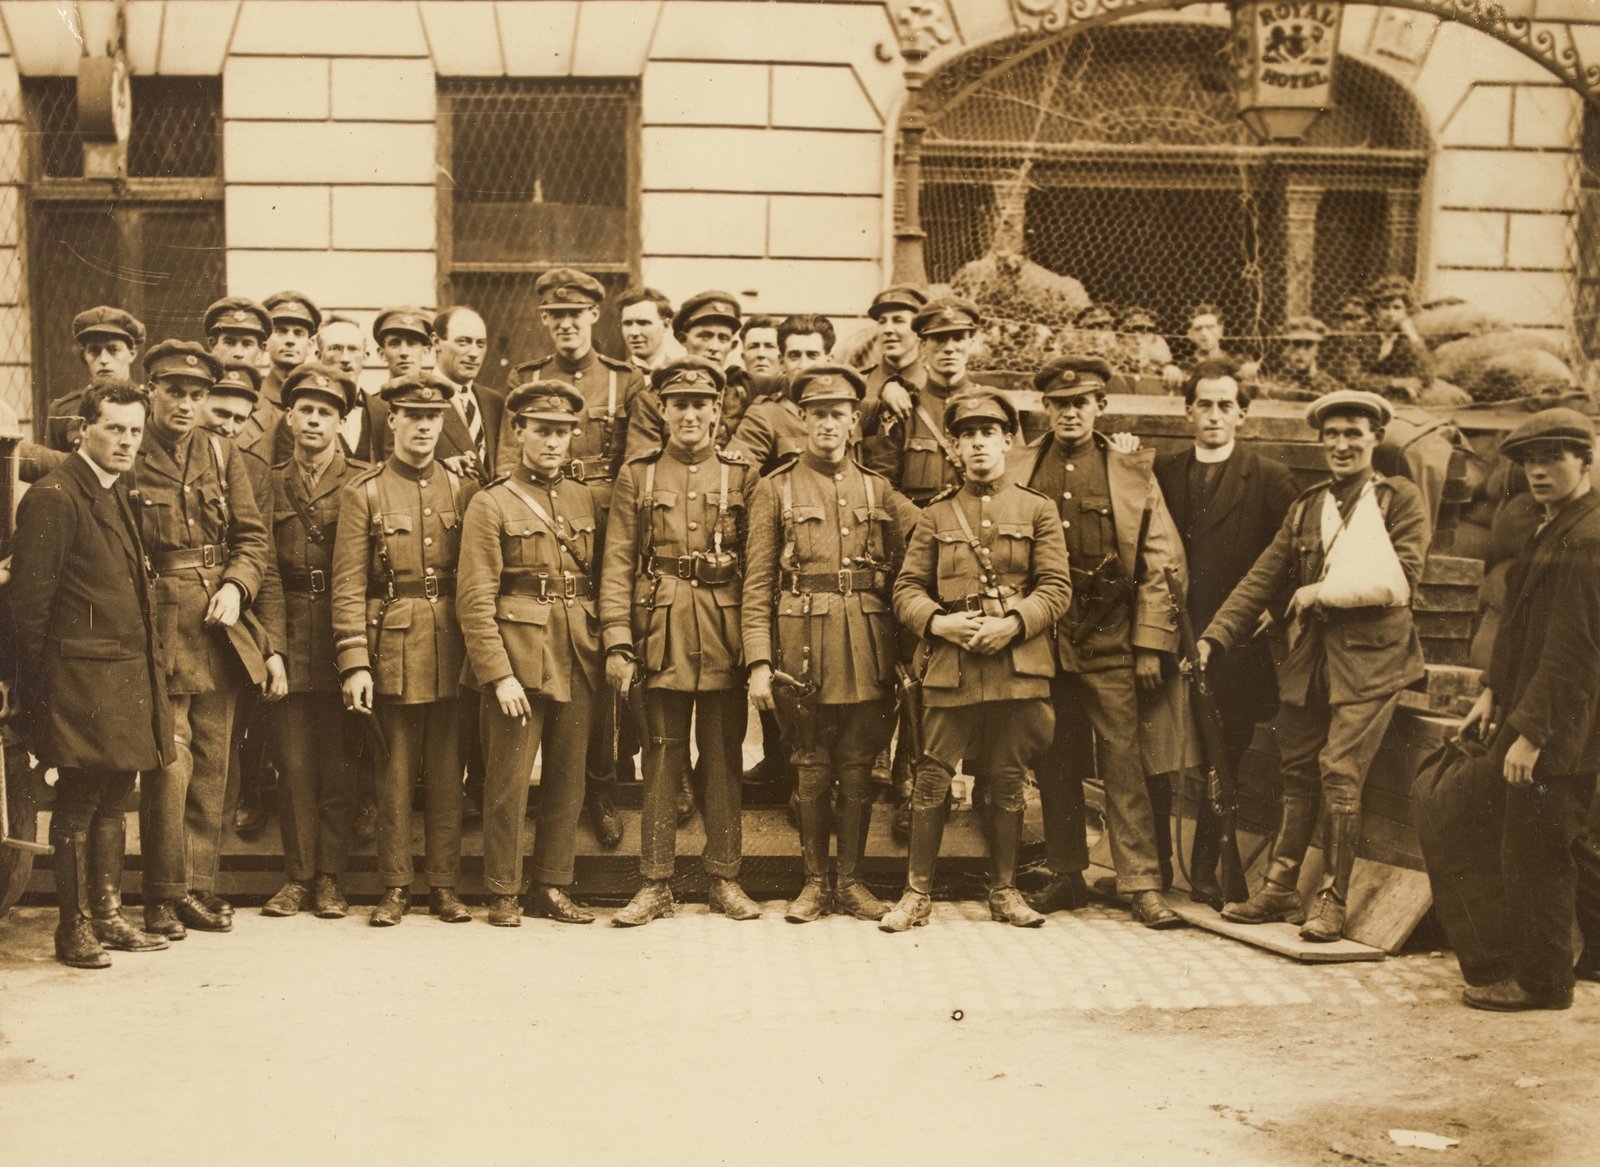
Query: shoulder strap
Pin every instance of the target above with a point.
(722, 507)
(938, 436)
(979, 551)
(220, 461)
(544, 517)
(375, 518)
(314, 531)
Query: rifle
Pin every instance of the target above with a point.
(1222, 789)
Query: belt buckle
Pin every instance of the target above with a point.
(846, 582)
(575, 469)
(569, 587)
(686, 565)
(319, 581)
(208, 555)
(430, 587)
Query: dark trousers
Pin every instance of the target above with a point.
(84, 795)
(180, 806)
(605, 760)
(839, 747)
(719, 718)
(424, 742)
(997, 738)
(1097, 721)
(317, 794)
(510, 745)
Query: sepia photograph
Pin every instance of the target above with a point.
(926, 581)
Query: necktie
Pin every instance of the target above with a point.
(470, 415)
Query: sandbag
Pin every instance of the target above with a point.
(1501, 366)
(1442, 321)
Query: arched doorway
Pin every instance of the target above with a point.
(1113, 155)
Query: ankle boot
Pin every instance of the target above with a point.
(76, 945)
(1005, 901)
(815, 898)
(1204, 855)
(850, 894)
(107, 838)
(1341, 835)
(927, 832)
(1159, 789)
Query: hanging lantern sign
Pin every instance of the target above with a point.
(1284, 55)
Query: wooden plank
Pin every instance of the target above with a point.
(1444, 626)
(1446, 652)
(1453, 569)
(1386, 902)
(1447, 598)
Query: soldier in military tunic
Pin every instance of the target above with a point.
(898, 370)
(236, 330)
(404, 337)
(984, 581)
(108, 339)
(318, 780)
(208, 552)
(669, 610)
(529, 616)
(295, 321)
(826, 538)
(396, 641)
(773, 427)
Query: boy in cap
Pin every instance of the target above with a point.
(819, 635)
(1395, 361)
(985, 577)
(397, 644)
(1343, 572)
(208, 551)
(108, 339)
(529, 617)
(318, 784)
(1111, 641)
(669, 612)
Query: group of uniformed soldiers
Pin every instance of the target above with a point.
(617, 553)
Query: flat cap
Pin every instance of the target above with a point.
(567, 287)
(182, 358)
(1349, 401)
(1352, 307)
(948, 314)
(1559, 427)
(1136, 319)
(546, 401)
(293, 307)
(899, 298)
(108, 321)
(691, 375)
(827, 383)
(409, 320)
(425, 390)
(979, 405)
(315, 380)
(1304, 328)
(238, 314)
(1067, 377)
(1391, 288)
(707, 306)
(1094, 316)
(239, 381)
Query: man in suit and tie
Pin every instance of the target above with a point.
(471, 437)
(342, 345)
(1227, 502)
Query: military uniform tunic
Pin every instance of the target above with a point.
(609, 387)
(769, 431)
(915, 453)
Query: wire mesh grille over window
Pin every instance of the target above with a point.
(176, 132)
(1109, 166)
(538, 174)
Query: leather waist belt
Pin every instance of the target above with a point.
(314, 582)
(588, 470)
(1366, 612)
(695, 567)
(429, 587)
(843, 582)
(980, 602)
(545, 587)
(210, 555)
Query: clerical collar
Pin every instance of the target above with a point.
(1207, 457)
(107, 478)
(820, 464)
(522, 472)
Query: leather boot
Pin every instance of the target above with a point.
(1159, 789)
(76, 945)
(552, 903)
(504, 911)
(1296, 823)
(1064, 893)
(602, 811)
(652, 901)
(916, 905)
(1005, 901)
(107, 838)
(161, 919)
(685, 797)
(1341, 835)
(1204, 855)
(850, 895)
(447, 906)
(901, 776)
(392, 908)
(815, 898)
(727, 898)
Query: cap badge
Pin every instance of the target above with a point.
(191, 359)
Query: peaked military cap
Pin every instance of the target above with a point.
(410, 320)
(546, 401)
(425, 390)
(899, 298)
(707, 306)
(1561, 428)
(827, 383)
(690, 376)
(293, 307)
(108, 321)
(182, 358)
(1349, 401)
(979, 405)
(315, 380)
(239, 381)
(1304, 328)
(567, 287)
(1067, 377)
(950, 314)
(238, 314)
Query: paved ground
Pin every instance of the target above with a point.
(697, 1040)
